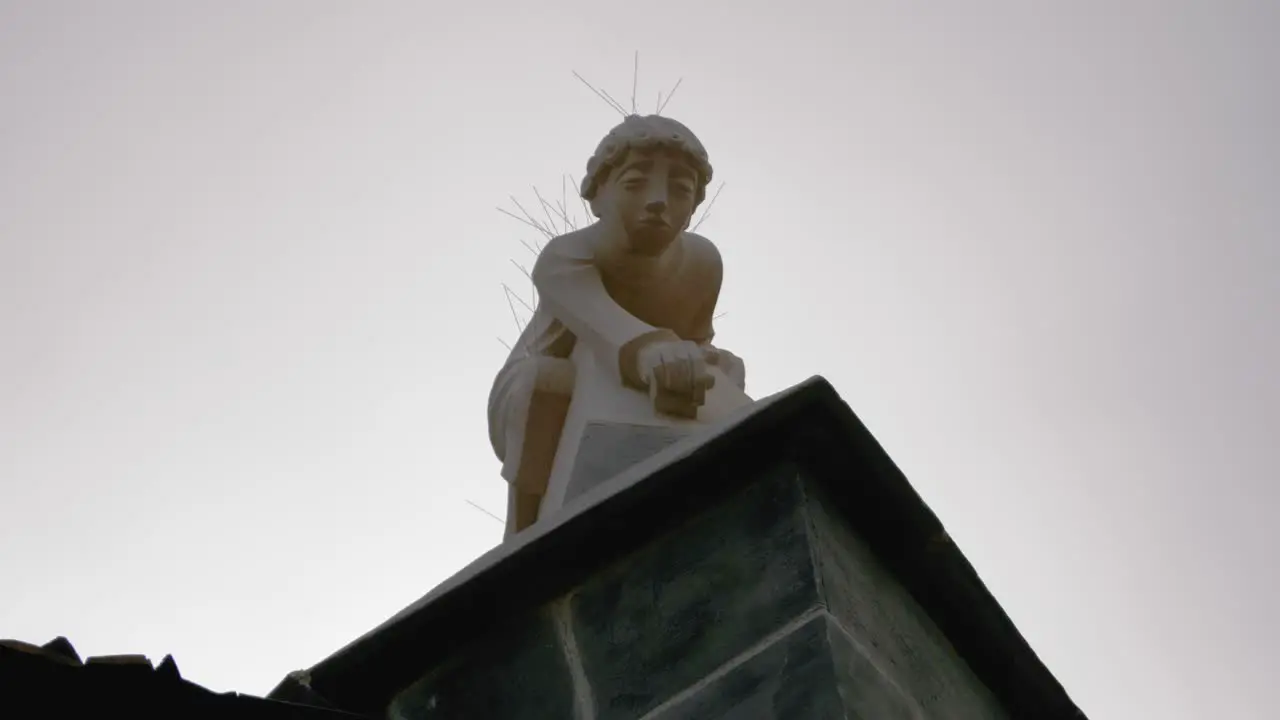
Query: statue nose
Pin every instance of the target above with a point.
(656, 205)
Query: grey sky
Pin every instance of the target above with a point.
(249, 301)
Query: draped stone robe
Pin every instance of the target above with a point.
(590, 293)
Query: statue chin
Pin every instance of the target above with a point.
(650, 242)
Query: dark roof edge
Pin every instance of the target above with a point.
(808, 424)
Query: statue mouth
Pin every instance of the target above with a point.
(654, 222)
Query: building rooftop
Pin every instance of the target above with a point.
(51, 681)
(808, 426)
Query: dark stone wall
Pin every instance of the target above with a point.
(766, 606)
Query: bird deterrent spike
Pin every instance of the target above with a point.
(663, 106)
(513, 293)
(545, 210)
(481, 509)
(602, 95)
(533, 225)
(529, 247)
(707, 212)
(635, 81)
(585, 207)
(545, 230)
(615, 102)
(514, 315)
(564, 200)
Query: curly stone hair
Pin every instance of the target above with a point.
(646, 133)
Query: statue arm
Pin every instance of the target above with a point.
(570, 286)
(710, 273)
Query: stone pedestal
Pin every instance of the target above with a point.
(766, 606)
(780, 567)
(609, 427)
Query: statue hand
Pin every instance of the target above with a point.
(677, 376)
(731, 365)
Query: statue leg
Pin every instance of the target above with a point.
(538, 402)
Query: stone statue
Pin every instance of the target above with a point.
(623, 328)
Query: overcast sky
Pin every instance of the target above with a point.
(250, 301)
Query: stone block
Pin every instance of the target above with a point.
(767, 605)
(607, 449)
(813, 671)
(873, 607)
(666, 616)
(517, 670)
(781, 569)
(791, 677)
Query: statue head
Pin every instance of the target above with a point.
(646, 178)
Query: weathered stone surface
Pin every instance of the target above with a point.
(693, 592)
(664, 618)
(866, 690)
(814, 672)
(609, 448)
(517, 672)
(873, 608)
(695, 622)
(790, 678)
(709, 621)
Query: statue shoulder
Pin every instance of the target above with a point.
(572, 242)
(574, 246)
(704, 253)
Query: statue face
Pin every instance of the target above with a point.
(650, 197)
